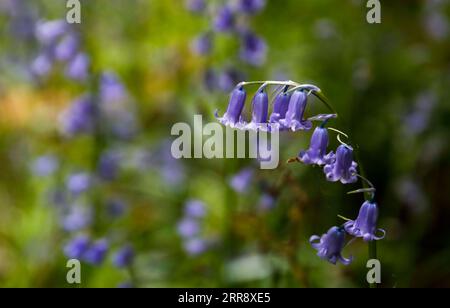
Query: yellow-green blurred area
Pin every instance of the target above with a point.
(388, 82)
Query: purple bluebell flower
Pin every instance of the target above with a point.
(66, 48)
(96, 252)
(343, 168)
(45, 165)
(116, 208)
(195, 209)
(42, 65)
(250, 6)
(294, 115)
(78, 218)
(78, 183)
(124, 257)
(78, 68)
(266, 202)
(108, 166)
(188, 228)
(260, 111)
(224, 19)
(76, 247)
(47, 32)
(79, 117)
(111, 89)
(317, 152)
(195, 6)
(365, 226)
(253, 49)
(195, 246)
(236, 104)
(280, 107)
(329, 246)
(203, 44)
(241, 181)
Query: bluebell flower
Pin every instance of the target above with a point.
(266, 202)
(250, 6)
(253, 49)
(115, 208)
(188, 228)
(202, 45)
(78, 68)
(66, 48)
(76, 247)
(47, 32)
(317, 152)
(45, 165)
(224, 19)
(124, 257)
(195, 209)
(78, 218)
(365, 225)
(195, 246)
(42, 65)
(111, 89)
(228, 79)
(232, 116)
(195, 6)
(108, 166)
(329, 246)
(78, 183)
(343, 168)
(79, 117)
(260, 111)
(280, 107)
(96, 252)
(294, 116)
(242, 180)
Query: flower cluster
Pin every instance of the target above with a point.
(229, 18)
(288, 113)
(189, 228)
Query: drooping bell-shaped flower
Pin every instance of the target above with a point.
(365, 225)
(233, 117)
(343, 168)
(329, 246)
(195, 209)
(96, 253)
(66, 48)
(280, 107)
(123, 257)
(78, 68)
(250, 6)
(317, 152)
(48, 32)
(76, 247)
(294, 116)
(242, 180)
(202, 45)
(260, 111)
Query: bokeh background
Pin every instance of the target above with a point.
(86, 113)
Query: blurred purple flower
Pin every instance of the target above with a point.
(202, 45)
(79, 117)
(317, 152)
(42, 65)
(365, 226)
(78, 183)
(195, 6)
(96, 252)
(47, 32)
(330, 246)
(67, 48)
(76, 247)
(195, 209)
(108, 166)
(111, 89)
(116, 208)
(45, 165)
(294, 115)
(210, 80)
(228, 79)
(195, 246)
(124, 257)
(224, 19)
(188, 228)
(343, 168)
(266, 202)
(78, 68)
(437, 25)
(241, 181)
(250, 6)
(78, 218)
(253, 49)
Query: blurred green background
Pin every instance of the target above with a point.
(389, 83)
